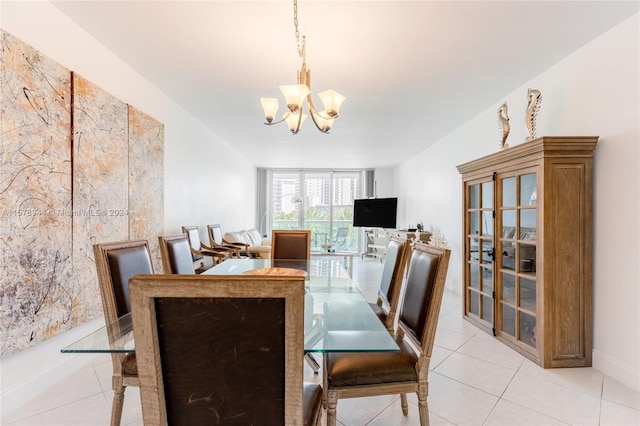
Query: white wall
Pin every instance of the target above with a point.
(205, 180)
(593, 92)
(384, 182)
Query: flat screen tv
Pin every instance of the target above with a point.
(375, 212)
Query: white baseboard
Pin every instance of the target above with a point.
(612, 368)
(26, 374)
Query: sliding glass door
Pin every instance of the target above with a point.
(347, 186)
(318, 200)
(285, 201)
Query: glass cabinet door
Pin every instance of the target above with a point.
(516, 277)
(479, 278)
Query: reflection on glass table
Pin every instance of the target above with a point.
(325, 280)
(346, 256)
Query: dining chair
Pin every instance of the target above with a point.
(288, 244)
(116, 262)
(389, 290)
(222, 350)
(353, 375)
(176, 254)
(291, 244)
(199, 250)
(216, 240)
(395, 262)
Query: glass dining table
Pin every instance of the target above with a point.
(348, 326)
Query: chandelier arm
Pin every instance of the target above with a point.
(318, 113)
(313, 112)
(284, 117)
(295, 132)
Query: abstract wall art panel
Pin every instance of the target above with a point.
(146, 182)
(35, 196)
(100, 180)
(78, 167)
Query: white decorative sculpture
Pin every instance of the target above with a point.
(534, 98)
(503, 122)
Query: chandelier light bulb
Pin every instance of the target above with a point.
(295, 122)
(323, 122)
(295, 94)
(270, 107)
(332, 102)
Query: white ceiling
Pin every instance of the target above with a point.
(412, 71)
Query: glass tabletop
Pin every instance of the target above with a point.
(350, 325)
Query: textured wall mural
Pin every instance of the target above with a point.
(64, 185)
(35, 193)
(146, 147)
(99, 179)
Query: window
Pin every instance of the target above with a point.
(320, 200)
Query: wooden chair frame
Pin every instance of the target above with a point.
(217, 255)
(120, 378)
(146, 289)
(424, 347)
(234, 248)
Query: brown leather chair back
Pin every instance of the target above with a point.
(291, 244)
(428, 265)
(393, 262)
(115, 263)
(176, 255)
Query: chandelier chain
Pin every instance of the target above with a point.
(301, 51)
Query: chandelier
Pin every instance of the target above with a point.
(296, 94)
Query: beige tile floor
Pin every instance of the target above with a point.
(474, 380)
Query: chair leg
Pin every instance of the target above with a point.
(312, 362)
(332, 402)
(118, 402)
(324, 381)
(404, 404)
(423, 407)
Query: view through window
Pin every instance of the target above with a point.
(318, 200)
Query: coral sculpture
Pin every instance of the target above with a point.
(534, 98)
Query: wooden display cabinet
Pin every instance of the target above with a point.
(527, 268)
